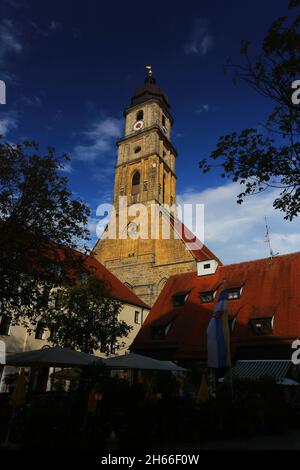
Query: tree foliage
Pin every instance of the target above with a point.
(37, 215)
(260, 159)
(85, 317)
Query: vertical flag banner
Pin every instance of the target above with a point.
(218, 339)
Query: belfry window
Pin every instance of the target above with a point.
(135, 188)
(163, 120)
(140, 115)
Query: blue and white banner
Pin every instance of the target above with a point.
(218, 338)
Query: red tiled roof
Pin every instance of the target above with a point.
(117, 289)
(197, 248)
(270, 288)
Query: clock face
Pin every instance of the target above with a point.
(138, 125)
(132, 229)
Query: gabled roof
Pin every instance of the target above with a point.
(270, 289)
(193, 244)
(117, 289)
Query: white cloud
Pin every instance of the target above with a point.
(8, 123)
(201, 40)
(100, 139)
(67, 168)
(9, 40)
(237, 232)
(203, 108)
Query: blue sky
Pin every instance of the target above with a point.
(70, 68)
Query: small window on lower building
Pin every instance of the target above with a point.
(53, 331)
(207, 297)
(5, 324)
(113, 347)
(137, 317)
(40, 330)
(180, 298)
(234, 294)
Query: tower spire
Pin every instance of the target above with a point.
(150, 71)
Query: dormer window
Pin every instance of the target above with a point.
(180, 298)
(55, 270)
(140, 115)
(234, 293)
(207, 297)
(231, 323)
(261, 326)
(160, 332)
(205, 268)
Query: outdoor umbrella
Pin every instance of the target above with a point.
(136, 361)
(287, 381)
(51, 357)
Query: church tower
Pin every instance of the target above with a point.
(145, 174)
(145, 170)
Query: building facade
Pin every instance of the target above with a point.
(133, 312)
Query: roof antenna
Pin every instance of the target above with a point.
(268, 241)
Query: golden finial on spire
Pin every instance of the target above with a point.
(150, 71)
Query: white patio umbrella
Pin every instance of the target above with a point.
(51, 357)
(287, 381)
(136, 361)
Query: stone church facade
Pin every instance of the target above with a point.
(145, 174)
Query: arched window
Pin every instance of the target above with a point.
(164, 188)
(139, 115)
(163, 120)
(135, 188)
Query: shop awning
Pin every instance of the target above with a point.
(259, 369)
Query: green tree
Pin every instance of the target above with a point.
(85, 317)
(37, 215)
(270, 158)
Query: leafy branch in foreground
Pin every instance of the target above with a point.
(38, 214)
(260, 159)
